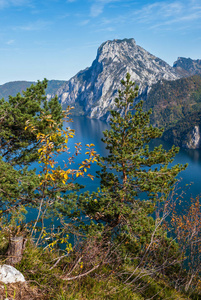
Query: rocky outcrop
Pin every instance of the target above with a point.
(9, 274)
(93, 90)
(193, 139)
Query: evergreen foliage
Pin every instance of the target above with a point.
(17, 146)
(172, 101)
(133, 177)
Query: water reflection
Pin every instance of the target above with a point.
(89, 131)
(195, 155)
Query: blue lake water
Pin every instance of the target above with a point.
(89, 131)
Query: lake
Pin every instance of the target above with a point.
(90, 131)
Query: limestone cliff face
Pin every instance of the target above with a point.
(193, 139)
(93, 90)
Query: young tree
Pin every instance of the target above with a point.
(57, 181)
(133, 177)
(187, 228)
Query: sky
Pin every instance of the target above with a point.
(55, 39)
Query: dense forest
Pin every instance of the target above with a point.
(123, 241)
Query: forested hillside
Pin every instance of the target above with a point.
(176, 106)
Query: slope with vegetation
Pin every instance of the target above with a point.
(176, 107)
(112, 243)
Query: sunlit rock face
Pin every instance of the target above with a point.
(93, 90)
(192, 140)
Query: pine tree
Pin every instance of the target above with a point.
(133, 178)
(18, 146)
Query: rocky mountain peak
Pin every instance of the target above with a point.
(94, 89)
(115, 49)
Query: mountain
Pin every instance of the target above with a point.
(14, 87)
(93, 90)
(175, 98)
(176, 106)
(53, 86)
(187, 66)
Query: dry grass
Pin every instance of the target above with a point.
(19, 291)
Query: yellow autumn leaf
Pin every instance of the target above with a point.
(52, 177)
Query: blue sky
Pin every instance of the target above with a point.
(57, 38)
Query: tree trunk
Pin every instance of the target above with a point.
(15, 249)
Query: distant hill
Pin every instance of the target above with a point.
(12, 88)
